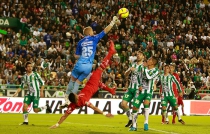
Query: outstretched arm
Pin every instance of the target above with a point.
(63, 118)
(99, 111)
(109, 27)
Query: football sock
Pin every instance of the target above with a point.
(146, 115)
(162, 118)
(174, 116)
(70, 87)
(167, 116)
(128, 113)
(164, 115)
(182, 110)
(25, 116)
(178, 114)
(134, 119)
(42, 108)
(76, 87)
(106, 60)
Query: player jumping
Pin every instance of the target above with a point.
(85, 53)
(91, 87)
(132, 91)
(149, 76)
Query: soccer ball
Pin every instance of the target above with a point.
(68, 34)
(123, 13)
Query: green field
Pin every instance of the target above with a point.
(98, 124)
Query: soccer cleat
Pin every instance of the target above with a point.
(184, 114)
(146, 128)
(49, 110)
(111, 47)
(181, 121)
(166, 122)
(133, 129)
(129, 124)
(24, 123)
(63, 106)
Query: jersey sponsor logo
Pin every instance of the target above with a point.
(163, 102)
(148, 97)
(86, 43)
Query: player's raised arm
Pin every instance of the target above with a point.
(109, 27)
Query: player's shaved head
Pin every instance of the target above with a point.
(88, 31)
(72, 97)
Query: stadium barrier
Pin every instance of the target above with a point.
(15, 105)
(50, 91)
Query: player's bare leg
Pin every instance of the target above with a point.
(124, 106)
(183, 110)
(36, 110)
(174, 113)
(25, 114)
(164, 112)
(68, 91)
(179, 116)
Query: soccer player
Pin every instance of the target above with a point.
(85, 53)
(178, 97)
(176, 94)
(91, 87)
(149, 75)
(167, 94)
(132, 91)
(33, 82)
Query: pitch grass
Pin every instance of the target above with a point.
(98, 124)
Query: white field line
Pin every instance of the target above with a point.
(84, 124)
(157, 130)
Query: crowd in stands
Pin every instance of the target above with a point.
(174, 31)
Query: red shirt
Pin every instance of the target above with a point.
(174, 85)
(84, 96)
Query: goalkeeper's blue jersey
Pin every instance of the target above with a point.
(86, 48)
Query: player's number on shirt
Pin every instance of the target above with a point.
(87, 51)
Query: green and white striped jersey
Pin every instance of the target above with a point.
(149, 77)
(135, 79)
(33, 83)
(167, 84)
